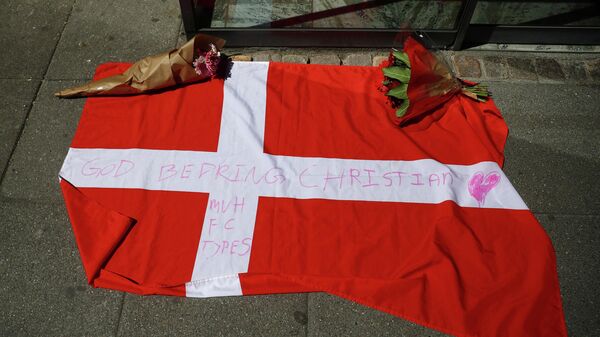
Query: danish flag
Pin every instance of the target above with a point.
(291, 178)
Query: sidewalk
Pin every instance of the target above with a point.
(551, 102)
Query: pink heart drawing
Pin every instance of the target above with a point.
(480, 184)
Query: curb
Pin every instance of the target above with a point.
(531, 67)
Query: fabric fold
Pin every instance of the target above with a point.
(98, 231)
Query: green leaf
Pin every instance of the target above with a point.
(402, 57)
(398, 73)
(399, 91)
(480, 91)
(402, 109)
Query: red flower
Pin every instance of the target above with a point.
(393, 84)
(391, 58)
(384, 64)
(383, 88)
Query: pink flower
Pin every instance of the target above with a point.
(207, 63)
(198, 64)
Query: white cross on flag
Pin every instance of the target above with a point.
(290, 178)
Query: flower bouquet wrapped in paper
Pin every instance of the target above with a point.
(196, 60)
(416, 81)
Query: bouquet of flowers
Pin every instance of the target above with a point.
(198, 59)
(416, 81)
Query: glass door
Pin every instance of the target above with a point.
(332, 23)
(378, 23)
(538, 22)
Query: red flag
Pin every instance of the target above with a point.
(291, 178)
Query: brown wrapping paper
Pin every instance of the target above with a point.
(152, 72)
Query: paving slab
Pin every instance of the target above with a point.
(549, 70)
(593, 66)
(43, 289)
(467, 66)
(576, 240)
(33, 169)
(495, 67)
(29, 31)
(333, 316)
(358, 59)
(325, 59)
(112, 30)
(521, 68)
(575, 71)
(273, 315)
(553, 150)
(17, 98)
(294, 58)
